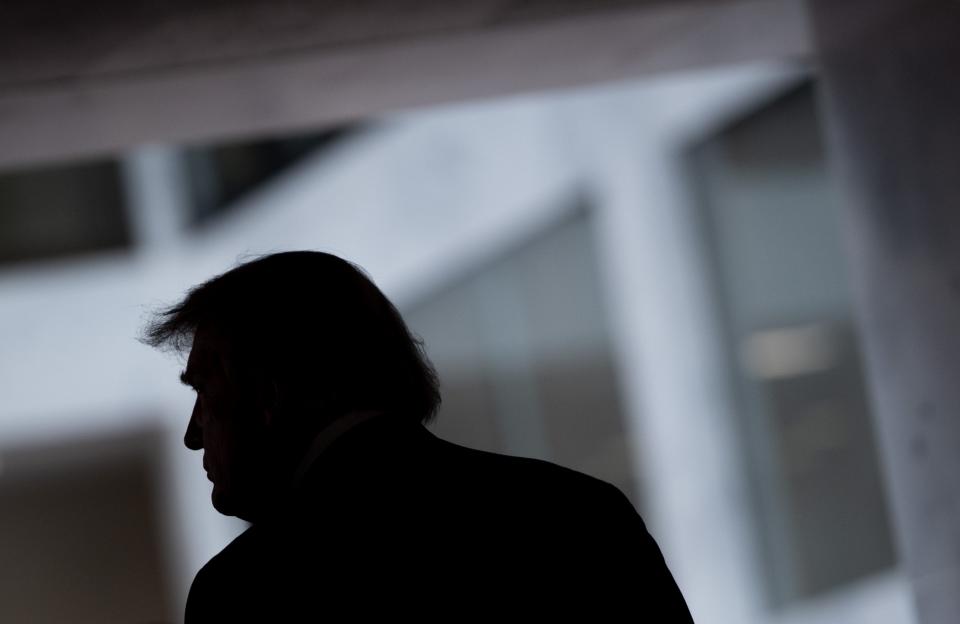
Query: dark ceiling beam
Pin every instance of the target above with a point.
(98, 78)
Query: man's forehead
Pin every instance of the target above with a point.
(202, 354)
(207, 354)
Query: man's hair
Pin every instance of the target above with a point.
(313, 325)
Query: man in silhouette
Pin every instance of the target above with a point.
(311, 400)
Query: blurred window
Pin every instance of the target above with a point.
(220, 174)
(522, 347)
(773, 239)
(63, 209)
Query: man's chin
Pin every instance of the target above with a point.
(229, 505)
(223, 502)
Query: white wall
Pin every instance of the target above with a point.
(416, 198)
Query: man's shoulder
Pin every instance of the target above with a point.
(211, 581)
(238, 549)
(538, 480)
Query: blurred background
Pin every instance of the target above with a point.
(643, 278)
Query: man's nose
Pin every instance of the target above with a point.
(193, 439)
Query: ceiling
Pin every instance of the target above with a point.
(80, 78)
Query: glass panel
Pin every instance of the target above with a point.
(220, 174)
(773, 238)
(523, 352)
(62, 209)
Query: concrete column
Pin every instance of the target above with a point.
(156, 196)
(892, 97)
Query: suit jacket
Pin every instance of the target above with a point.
(391, 521)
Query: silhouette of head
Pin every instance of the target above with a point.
(280, 347)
